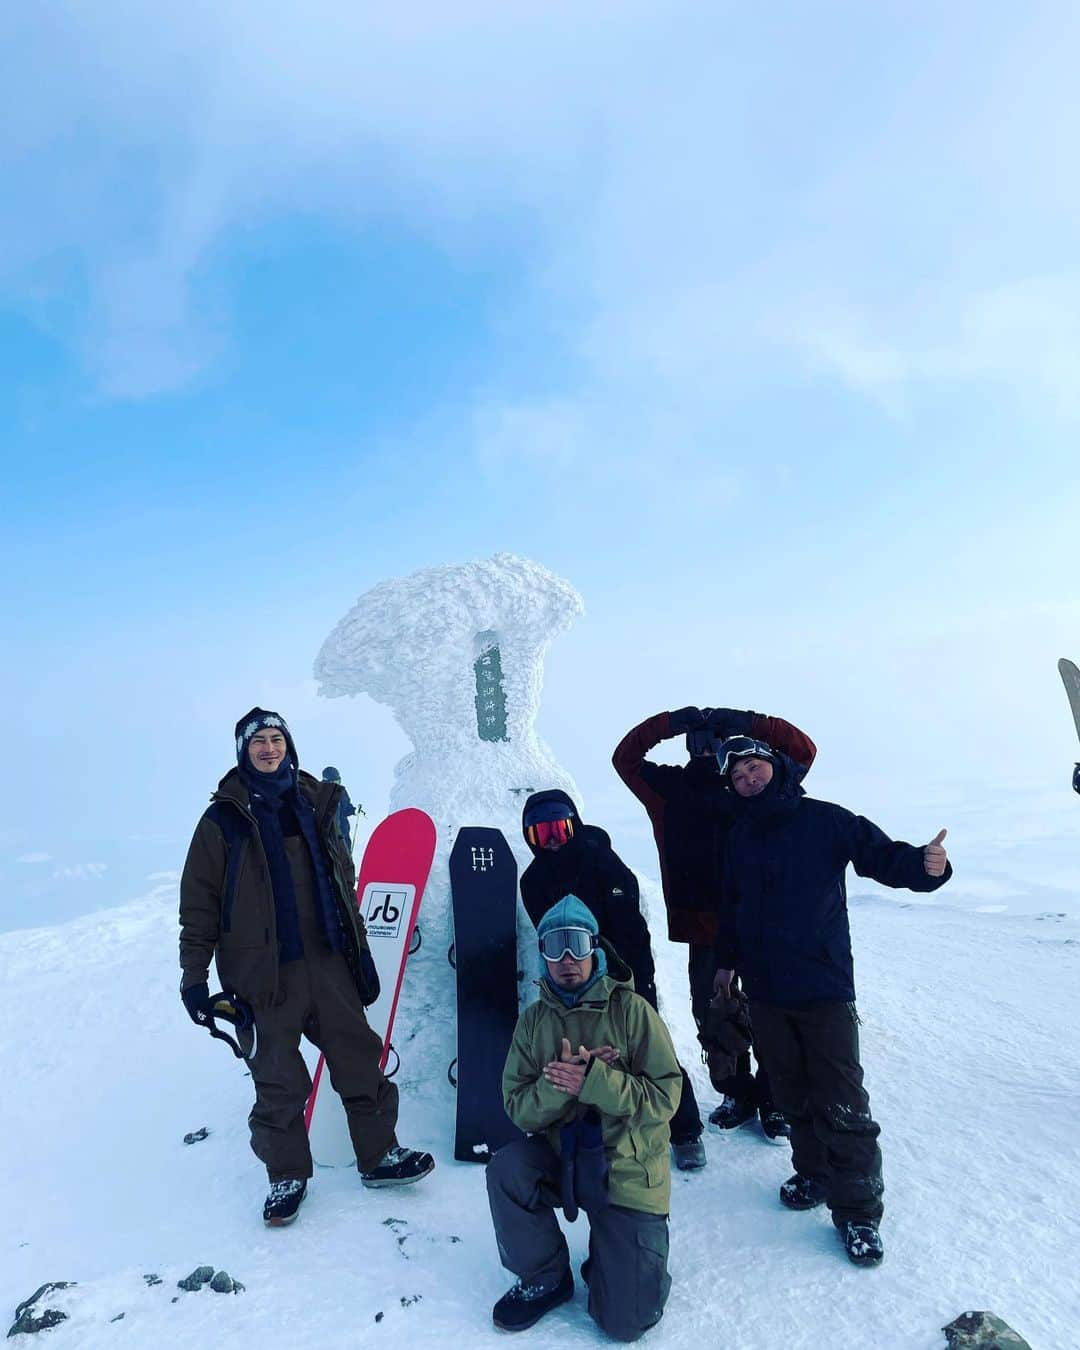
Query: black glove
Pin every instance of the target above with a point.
(1076, 779)
(686, 719)
(196, 999)
(725, 722)
(369, 978)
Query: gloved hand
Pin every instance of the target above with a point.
(725, 722)
(685, 719)
(196, 998)
(1076, 779)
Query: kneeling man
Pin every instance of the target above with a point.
(592, 1077)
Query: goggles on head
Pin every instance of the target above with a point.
(742, 747)
(559, 942)
(541, 834)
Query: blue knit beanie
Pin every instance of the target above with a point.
(570, 912)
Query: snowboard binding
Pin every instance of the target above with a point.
(236, 1013)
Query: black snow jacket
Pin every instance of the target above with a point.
(783, 923)
(589, 868)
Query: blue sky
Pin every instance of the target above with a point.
(763, 329)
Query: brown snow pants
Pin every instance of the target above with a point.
(319, 1000)
(811, 1054)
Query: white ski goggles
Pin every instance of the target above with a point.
(559, 942)
(742, 747)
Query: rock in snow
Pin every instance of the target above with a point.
(982, 1331)
(27, 1319)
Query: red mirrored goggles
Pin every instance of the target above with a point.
(544, 831)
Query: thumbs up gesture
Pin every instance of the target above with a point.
(934, 856)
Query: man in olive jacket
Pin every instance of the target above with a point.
(592, 1078)
(267, 892)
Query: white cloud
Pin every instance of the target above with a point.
(81, 872)
(34, 858)
(552, 433)
(1023, 336)
(684, 174)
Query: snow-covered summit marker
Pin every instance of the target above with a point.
(458, 653)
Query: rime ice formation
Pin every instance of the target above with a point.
(458, 654)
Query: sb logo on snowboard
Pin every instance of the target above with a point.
(383, 909)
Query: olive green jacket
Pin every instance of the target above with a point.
(636, 1097)
(227, 904)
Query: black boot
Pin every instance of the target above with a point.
(524, 1305)
(284, 1201)
(800, 1192)
(398, 1167)
(731, 1113)
(773, 1123)
(862, 1242)
(689, 1154)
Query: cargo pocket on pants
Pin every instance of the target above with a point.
(653, 1280)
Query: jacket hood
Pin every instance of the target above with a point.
(549, 795)
(782, 793)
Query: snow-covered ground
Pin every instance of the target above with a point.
(973, 1066)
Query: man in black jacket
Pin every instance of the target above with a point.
(691, 810)
(784, 927)
(571, 858)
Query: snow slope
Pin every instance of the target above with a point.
(972, 1063)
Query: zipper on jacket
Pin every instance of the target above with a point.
(233, 874)
(249, 816)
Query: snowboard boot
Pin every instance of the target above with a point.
(800, 1192)
(399, 1167)
(690, 1154)
(862, 1242)
(523, 1306)
(731, 1113)
(284, 1201)
(773, 1123)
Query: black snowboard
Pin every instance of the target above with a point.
(483, 887)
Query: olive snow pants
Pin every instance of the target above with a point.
(626, 1270)
(319, 1000)
(812, 1057)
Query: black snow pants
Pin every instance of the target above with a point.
(812, 1056)
(686, 1123)
(626, 1270)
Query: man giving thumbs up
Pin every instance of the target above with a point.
(783, 926)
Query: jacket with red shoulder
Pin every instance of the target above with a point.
(691, 810)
